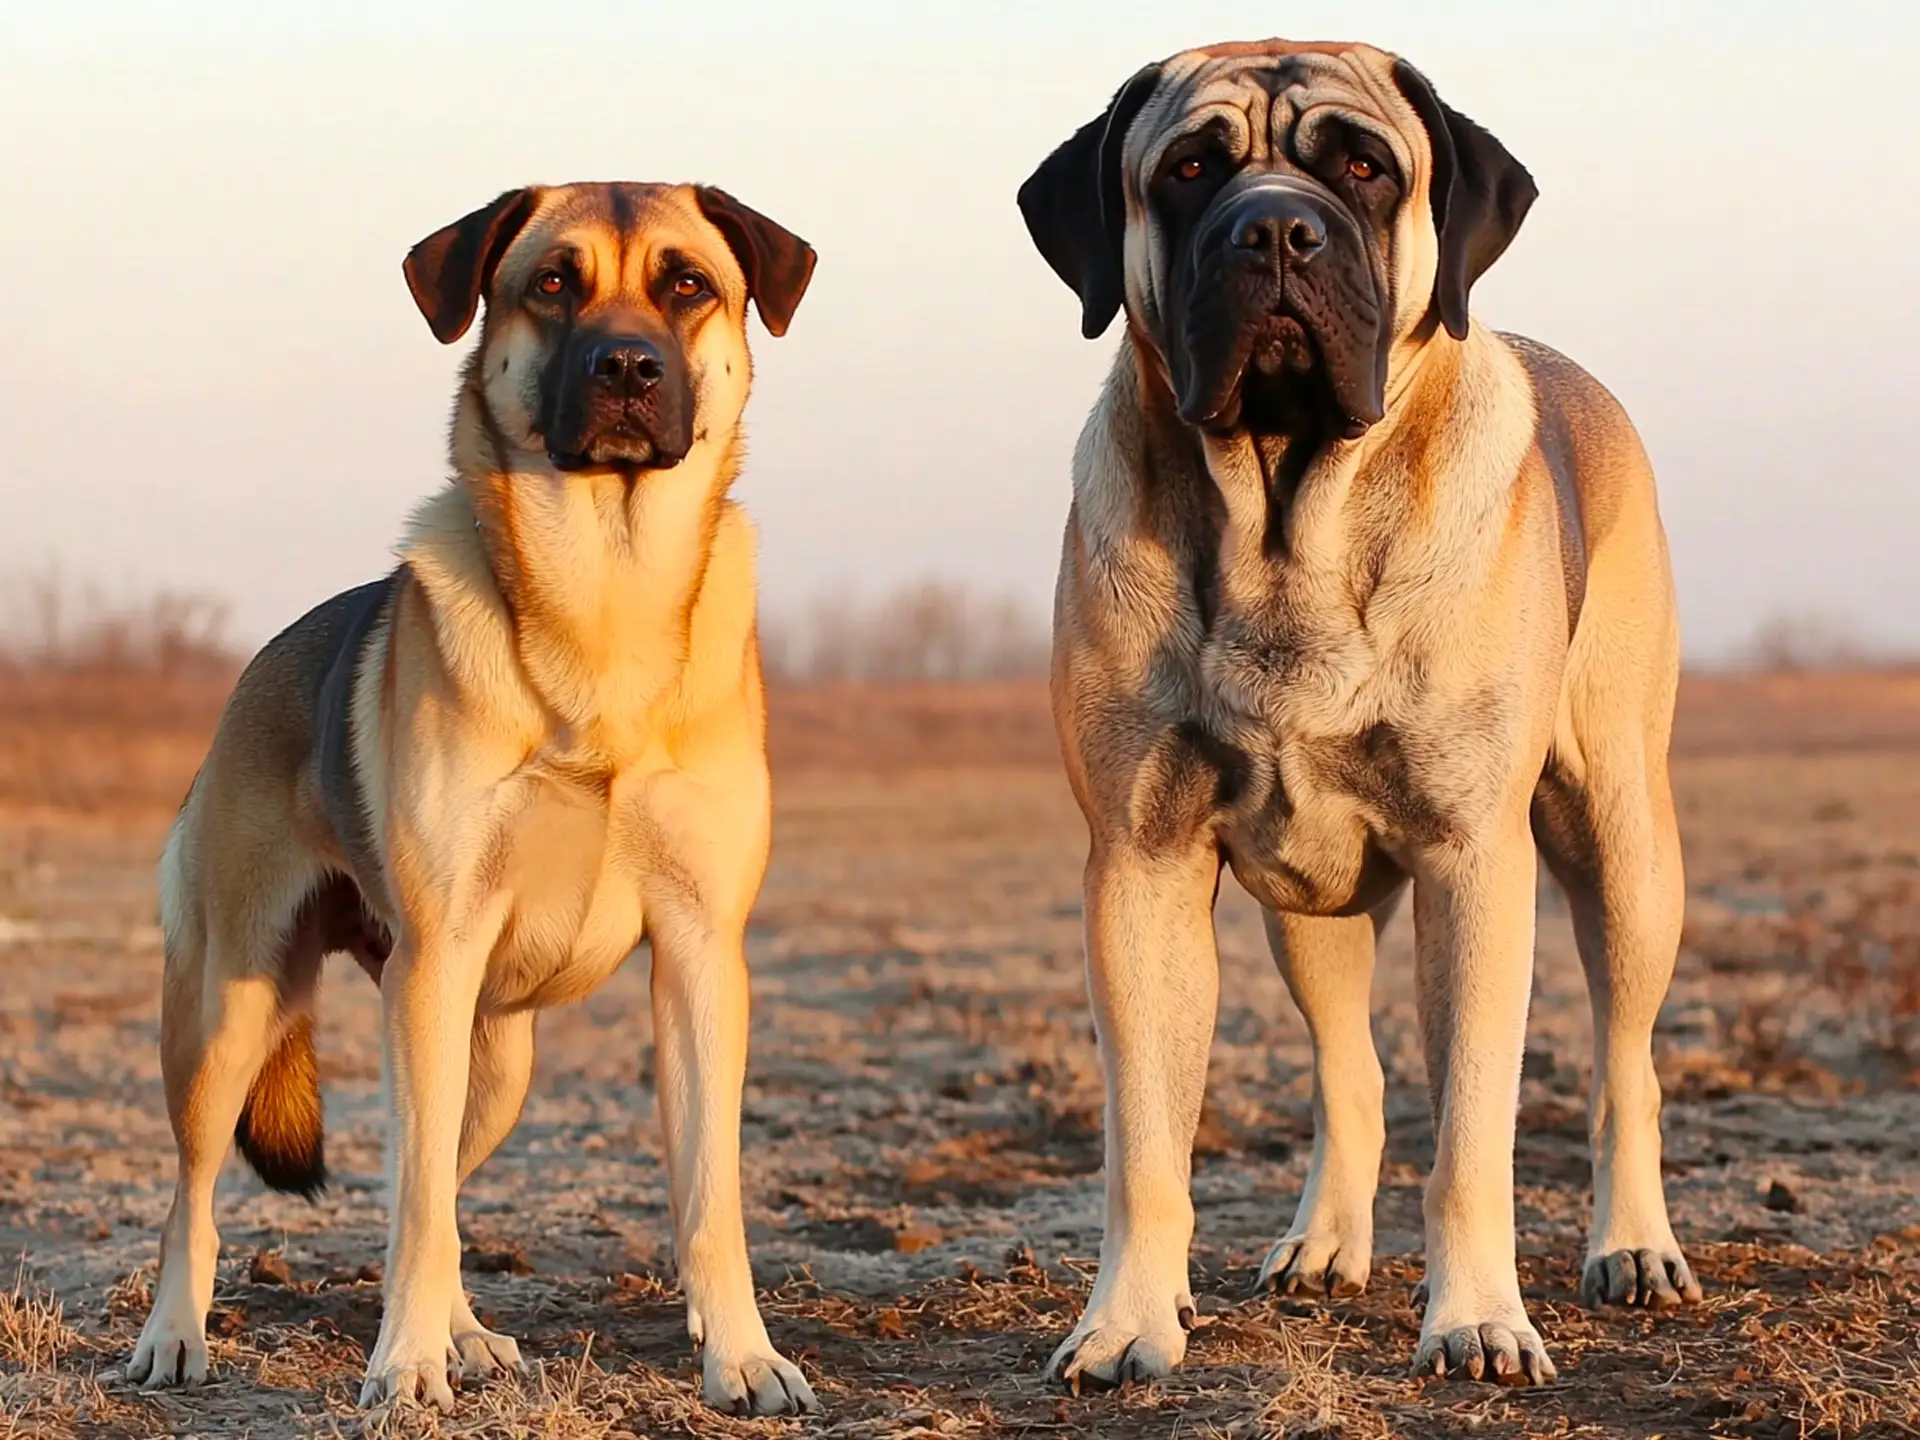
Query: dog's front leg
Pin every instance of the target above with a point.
(1473, 925)
(428, 991)
(1153, 972)
(700, 1005)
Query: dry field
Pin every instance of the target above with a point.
(922, 1121)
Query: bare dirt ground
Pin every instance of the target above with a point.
(922, 1127)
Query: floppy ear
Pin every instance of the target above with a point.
(1075, 206)
(450, 270)
(777, 263)
(1479, 194)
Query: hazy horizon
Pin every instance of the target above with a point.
(214, 378)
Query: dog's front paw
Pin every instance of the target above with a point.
(1330, 1263)
(1117, 1345)
(408, 1370)
(1507, 1351)
(757, 1380)
(1657, 1277)
(172, 1351)
(484, 1352)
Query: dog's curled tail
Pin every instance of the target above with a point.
(280, 1129)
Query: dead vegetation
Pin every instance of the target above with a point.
(938, 630)
(34, 1334)
(106, 704)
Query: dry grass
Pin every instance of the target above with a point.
(36, 1347)
(34, 1334)
(1803, 712)
(107, 710)
(1316, 1399)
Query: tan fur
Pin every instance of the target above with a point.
(557, 732)
(281, 1126)
(1400, 669)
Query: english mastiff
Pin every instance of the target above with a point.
(490, 774)
(1356, 594)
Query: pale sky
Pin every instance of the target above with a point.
(212, 377)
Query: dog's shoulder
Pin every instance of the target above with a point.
(1585, 439)
(1567, 396)
(289, 675)
(454, 624)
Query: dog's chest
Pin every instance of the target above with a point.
(1310, 825)
(576, 911)
(1311, 736)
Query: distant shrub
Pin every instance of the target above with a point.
(927, 630)
(48, 626)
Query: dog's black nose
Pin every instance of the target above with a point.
(626, 364)
(1282, 225)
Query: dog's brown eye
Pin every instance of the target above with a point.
(1191, 168)
(690, 285)
(550, 282)
(1361, 168)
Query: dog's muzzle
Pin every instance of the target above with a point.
(1292, 323)
(622, 401)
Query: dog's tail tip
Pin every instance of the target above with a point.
(281, 1131)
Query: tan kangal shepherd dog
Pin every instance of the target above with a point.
(487, 776)
(1357, 595)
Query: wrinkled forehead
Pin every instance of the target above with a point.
(1269, 97)
(617, 229)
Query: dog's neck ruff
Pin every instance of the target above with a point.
(593, 586)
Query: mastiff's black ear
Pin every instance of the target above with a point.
(777, 263)
(1480, 194)
(450, 270)
(1076, 210)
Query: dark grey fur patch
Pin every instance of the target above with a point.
(1227, 760)
(1374, 767)
(347, 620)
(1556, 446)
(1562, 821)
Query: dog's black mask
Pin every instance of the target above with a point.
(617, 397)
(1275, 303)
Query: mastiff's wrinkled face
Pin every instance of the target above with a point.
(1275, 217)
(615, 335)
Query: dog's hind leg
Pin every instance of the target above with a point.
(1609, 835)
(1328, 966)
(221, 1020)
(499, 1071)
